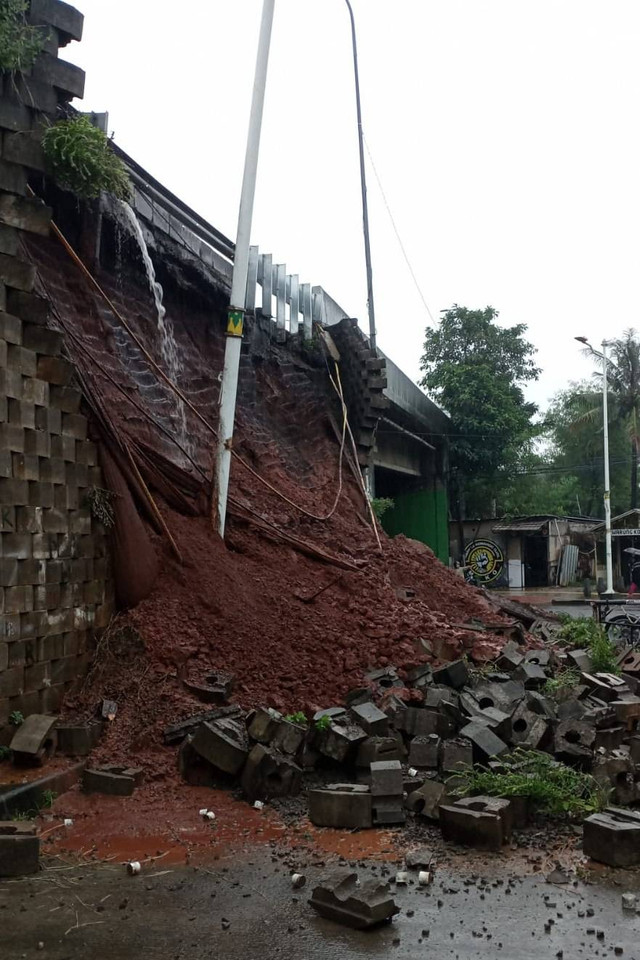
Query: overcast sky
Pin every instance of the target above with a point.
(504, 132)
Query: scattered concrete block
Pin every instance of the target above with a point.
(385, 678)
(379, 748)
(419, 858)
(420, 722)
(79, 739)
(528, 729)
(425, 751)
(613, 837)
(387, 810)
(263, 723)
(34, 739)
(510, 657)
(573, 743)
(601, 686)
(223, 743)
(610, 738)
(346, 805)
(340, 741)
(580, 659)
(531, 675)
(372, 720)
(634, 747)
(500, 695)
(289, 737)
(539, 658)
(213, 688)
(19, 848)
(627, 710)
(386, 778)
(115, 781)
(454, 674)
(456, 754)
(427, 799)
(268, 774)
(334, 713)
(193, 768)
(359, 905)
(476, 822)
(485, 743)
(498, 805)
(177, 732)
(540, 705)
(420, 677)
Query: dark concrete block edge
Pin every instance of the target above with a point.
(29, 796)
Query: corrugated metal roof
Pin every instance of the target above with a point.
(520, 526)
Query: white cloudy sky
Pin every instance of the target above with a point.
(505, 134)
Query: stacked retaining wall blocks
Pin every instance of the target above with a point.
(54, 567)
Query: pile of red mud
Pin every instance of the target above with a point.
(243, 608)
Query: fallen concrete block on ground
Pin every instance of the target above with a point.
(113, 780)
(193, 768)
(289, 737)
(510, 657)
(379, 748)
(268, 773)
(176, 732)
(528, 729)
(358, 905)
(214, 687)
(613, 837)
(419, 858)
(223, 743)
(477, 822)
(485, 743)
(456, 754)
(427, 799)
(573, 743)
(78, 739)
(425, 752)
(454, 674)
(19, 848)
(262, 724)
(372, 720)
(346, 805)
(340, 741)
(35, 739)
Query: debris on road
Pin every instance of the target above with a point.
(355, 904)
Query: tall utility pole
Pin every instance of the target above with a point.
(363, 188)
(235, 322)
(607, 482)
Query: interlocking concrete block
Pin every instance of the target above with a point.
(627, 710)
(471, 827)
(388, 810)
(456, 754)
(10, 326)
(425, 752)
(379, 748)
(55, 370)
(485, 743)
(454, 674)
(386, 778)
(14, 271)
(340, 741)
(35, 391)
(23, 147)
(613, 837)
(426, 799)
(540, 658)
(65, 77)
(420, 722)
(19, 848)
(115, 781)
(341, 805)
(503, 696)
(35, 738)
(223, 743)
(289, 737)
(573, 743)
(355, 904)
(542, 706)
(268, 773)
(528, 729)
(8, 243)
(78, 739)
(532, 675)
(372, 720)
(510, 657)
(421, 676)
(580, 659)
(64, 17)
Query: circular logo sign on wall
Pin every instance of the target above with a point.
(486, 559)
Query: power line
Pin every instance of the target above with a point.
(397, 233)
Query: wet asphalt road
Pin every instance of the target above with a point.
(246, 909)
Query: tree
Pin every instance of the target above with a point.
(476, 370)
(624, 382)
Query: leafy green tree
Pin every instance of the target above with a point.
(624, 383)
(476, 370)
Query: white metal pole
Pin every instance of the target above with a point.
(235, 323)
(607, 490)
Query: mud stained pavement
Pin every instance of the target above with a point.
(244, 908)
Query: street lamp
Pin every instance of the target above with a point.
(607, 482)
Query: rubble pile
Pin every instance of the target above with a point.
(397, 748)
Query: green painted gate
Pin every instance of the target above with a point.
(422, 515)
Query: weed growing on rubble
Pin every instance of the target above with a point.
(562, 685)
(552, 787)
(48, 798)
(585, 632)
(20, 43)
(5, 753)
(298, 718)
(81, 159)
(323, 723)
(16, 718)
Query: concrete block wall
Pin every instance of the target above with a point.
(55, 589)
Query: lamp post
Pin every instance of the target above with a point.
(607, 481)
